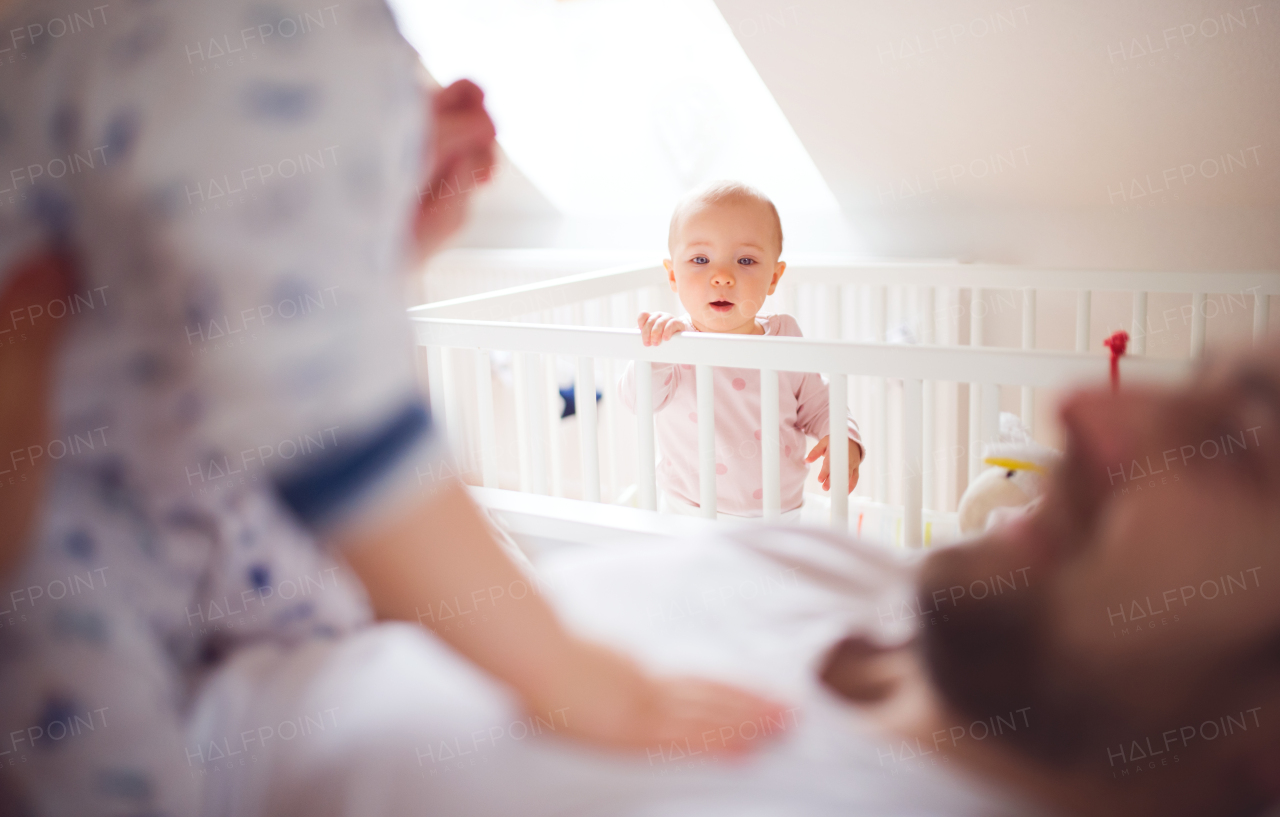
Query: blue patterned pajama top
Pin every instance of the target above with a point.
(234, 180)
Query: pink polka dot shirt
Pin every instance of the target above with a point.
(802, 410)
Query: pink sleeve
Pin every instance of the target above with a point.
(812, 402)
(813, 407)
(666, 377)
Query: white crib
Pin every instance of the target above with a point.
(906, 394)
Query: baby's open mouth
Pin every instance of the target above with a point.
(722, 306)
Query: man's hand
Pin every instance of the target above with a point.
(462, 154)
(655, 327)
(824, 476)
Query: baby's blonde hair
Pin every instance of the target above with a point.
(715, 193)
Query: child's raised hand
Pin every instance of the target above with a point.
(460, 145)
(824, 475)
(655, 327)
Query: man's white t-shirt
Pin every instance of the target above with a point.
(414, 730)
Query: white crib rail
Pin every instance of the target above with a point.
(915, 365)
(509, 303)
(842, 298)
(506, 304)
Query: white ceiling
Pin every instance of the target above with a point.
(1065, 93)
(1111, 123)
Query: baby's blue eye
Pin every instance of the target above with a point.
(700, 259)
(746, 261)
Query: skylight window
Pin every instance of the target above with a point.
(619, 106)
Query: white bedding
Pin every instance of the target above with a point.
(390, 722)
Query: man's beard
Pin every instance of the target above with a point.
(991, 656)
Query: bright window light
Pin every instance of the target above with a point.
(619, 106)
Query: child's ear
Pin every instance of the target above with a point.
(777, 273)
(671, 273)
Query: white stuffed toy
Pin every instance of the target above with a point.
(1012, 485)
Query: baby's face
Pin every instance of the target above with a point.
(724, 261)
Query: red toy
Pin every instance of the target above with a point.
(1117, 343)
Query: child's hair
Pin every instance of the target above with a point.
(716, 192)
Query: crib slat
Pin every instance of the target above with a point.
(928, 439)
(1261, 315)
(631, 309)
(1138, 339)
(536, 382)
(551, 403)
(608, 420)
(1197, 324)
(975, 430)
(880, 397)
(770, 457)
(488, 429)
(977, 311)
(879, 446)
(977, 315)
(948, 331)
(1084, 302)
(608, 410)
(928, 315)
(584, 394)
(848, 312)
(880, 312)
(452, 411)
(929, 445)
(435, 386)
(646, 487)
(706, 441)
(831, 305)
(1029, 342)
(911, 311)
(947, 397)
(805, 314)
(1028, 318)
(913, 463)
(990, 429)
(893, 316)
(838, 446)
(524, 445)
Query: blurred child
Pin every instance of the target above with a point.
(725, 241)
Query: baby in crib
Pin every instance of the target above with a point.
(725, 240)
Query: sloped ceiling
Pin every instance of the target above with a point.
(1088, 132)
